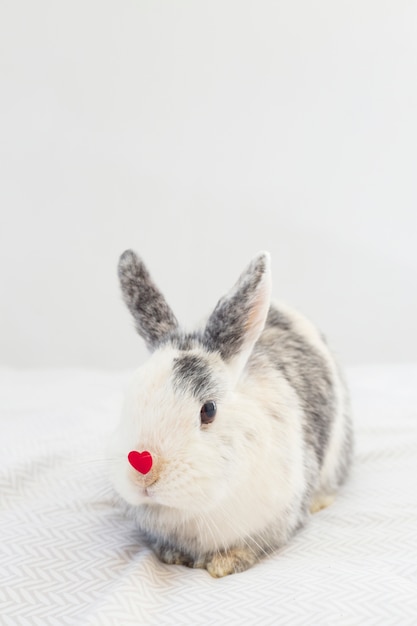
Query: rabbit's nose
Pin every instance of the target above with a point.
(140, 461)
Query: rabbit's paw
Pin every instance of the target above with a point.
(173, 556)
(321, 501)
(230, 562)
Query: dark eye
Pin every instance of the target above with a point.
(208, 412)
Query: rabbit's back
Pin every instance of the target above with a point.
(299, 353)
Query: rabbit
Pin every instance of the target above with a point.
(231, 435)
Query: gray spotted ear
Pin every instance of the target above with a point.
(154, 319)
(239, 317)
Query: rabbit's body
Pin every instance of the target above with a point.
(224, 494)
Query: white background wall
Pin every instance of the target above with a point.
(199, 133)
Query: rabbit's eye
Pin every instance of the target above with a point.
(208, 412)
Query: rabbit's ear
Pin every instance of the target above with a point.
(239, 317)
(154, 319)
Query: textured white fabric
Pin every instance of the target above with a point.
(69, 557)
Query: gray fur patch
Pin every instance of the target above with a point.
(153, 317)
(307, 372)
(225, 329)
(193, 374)
(278, 319)
(184, 341)
(169, 552)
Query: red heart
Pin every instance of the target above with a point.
(141, 461)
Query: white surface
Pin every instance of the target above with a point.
(69, 557)
(199, 133)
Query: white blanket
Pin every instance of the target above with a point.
(68, 556)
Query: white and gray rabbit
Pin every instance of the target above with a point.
(231, 435)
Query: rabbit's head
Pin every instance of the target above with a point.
(182, 408)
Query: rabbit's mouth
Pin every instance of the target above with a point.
(145, 493)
